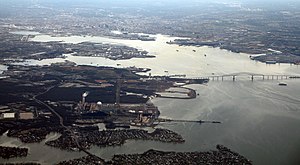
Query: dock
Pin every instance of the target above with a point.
(187, 121)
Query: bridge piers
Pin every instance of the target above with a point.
(251, 76)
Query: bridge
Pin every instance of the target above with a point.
(233, 77)
(252, 76)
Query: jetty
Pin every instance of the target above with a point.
(187, 121)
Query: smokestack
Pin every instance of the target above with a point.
(84, 95)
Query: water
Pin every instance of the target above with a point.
(185, 61)
(260, 119)
(38, 152)
(2, 68)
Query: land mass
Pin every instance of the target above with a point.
(67, 99)
(223, 155)
(252, 29)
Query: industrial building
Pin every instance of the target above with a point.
(26, 115)
(8, 115)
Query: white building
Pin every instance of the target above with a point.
(9, 115)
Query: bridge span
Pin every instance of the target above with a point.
(252, 76)
(231, 77)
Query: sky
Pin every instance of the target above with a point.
(268, 4)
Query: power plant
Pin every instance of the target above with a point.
(134, 114)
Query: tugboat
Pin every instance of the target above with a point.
(282, 84)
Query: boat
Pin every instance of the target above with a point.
(282, 84)
(270, 62)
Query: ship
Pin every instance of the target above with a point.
(282, 84)
(270, 62)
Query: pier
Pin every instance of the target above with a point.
(187, 121)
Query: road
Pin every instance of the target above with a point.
(61, 122)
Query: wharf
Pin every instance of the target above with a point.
(187, 121)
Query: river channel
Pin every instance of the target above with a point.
(260, 119)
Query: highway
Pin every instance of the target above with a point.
(61, 122)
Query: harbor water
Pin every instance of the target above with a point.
(260, 119)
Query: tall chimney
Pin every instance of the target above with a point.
(83, 99)
(84, 95)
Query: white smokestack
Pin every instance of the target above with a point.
(84, 95)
